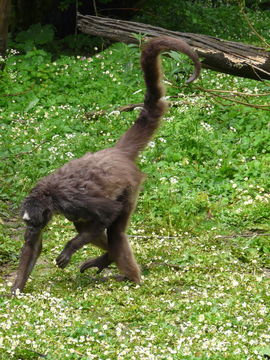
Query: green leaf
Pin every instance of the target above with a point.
(264, 351)
(175, 55)
(31, 104)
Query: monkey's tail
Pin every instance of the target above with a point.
(140, 133)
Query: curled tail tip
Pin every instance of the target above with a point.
(195, 74)
(163, 43)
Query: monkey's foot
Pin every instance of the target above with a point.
(101, 262)
(62, 260)
(15, 290)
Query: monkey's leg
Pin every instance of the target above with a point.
(100, 240)
(119, 248)
(88, 234)
(29, 255)
(101, 262)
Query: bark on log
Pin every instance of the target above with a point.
(223, 56)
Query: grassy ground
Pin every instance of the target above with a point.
(199, 231)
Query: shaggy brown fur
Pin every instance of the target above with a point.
(98, 192)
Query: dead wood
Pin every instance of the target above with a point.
(216, 54)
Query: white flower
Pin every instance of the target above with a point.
(162, 140)
(201, 317)
(115, 112)
(70, 154)
(173, 180)
(206, 126)
(248, 202)
(118, 331)
(70, 136)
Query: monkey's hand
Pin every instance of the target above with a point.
(101, 262)
(63, 259)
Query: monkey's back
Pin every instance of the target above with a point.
(107, 173)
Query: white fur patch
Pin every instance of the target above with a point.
(26, 216)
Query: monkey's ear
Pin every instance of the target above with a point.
(102, 210)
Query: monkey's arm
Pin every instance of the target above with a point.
(89, 232)
(29, 255)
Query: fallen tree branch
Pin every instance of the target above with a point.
(219, 55)
(232, 236)
(129, 107)
(244, 235)
(214, 93)
(95, 114)
(237, 93)
(217, 94)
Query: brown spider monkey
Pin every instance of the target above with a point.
(98, 192)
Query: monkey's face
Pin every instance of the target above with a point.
(35, 212)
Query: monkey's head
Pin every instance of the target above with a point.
(36, 210)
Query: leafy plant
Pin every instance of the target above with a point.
(36, 35)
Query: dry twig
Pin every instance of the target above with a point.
(217, 94)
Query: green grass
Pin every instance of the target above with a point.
(199, 231)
